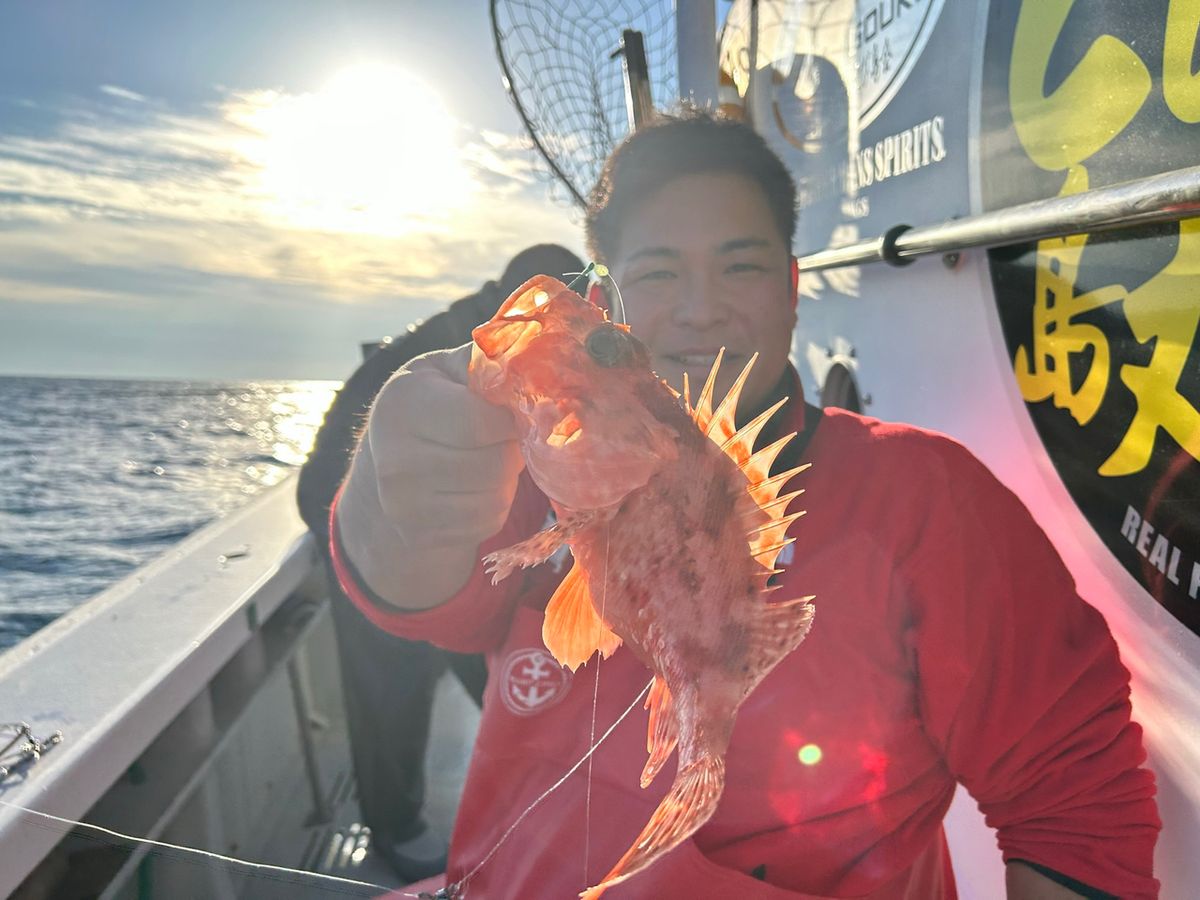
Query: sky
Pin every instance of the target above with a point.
(224, 189)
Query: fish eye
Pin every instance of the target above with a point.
(609, 346)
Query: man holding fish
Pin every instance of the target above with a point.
(948, 644)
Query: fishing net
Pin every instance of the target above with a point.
(559, 68)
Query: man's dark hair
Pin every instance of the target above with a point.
(689, 142)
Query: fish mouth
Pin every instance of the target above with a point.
(495, 343)
(505, 337)
(555, 424)
(569, 469)
(565, 432)
(581, 466)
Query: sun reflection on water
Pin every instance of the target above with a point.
(103, 475)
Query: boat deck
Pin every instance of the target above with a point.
(342, 846)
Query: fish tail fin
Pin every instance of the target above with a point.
(691, 802)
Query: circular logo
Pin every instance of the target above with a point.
(531, 681)
(889, 36)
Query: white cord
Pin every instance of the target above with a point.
(261, 867)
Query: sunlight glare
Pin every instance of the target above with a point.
(810, 754)
(374, 151)
(296, 416)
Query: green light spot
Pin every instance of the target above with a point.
(810, 754)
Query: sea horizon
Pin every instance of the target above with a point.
(99, 474)
(194, 379)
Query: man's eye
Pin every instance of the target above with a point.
(655, 275)
(738, 268)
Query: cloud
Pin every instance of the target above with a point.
(113, 91)
(132, 186)
(144, 240)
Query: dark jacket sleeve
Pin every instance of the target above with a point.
(329, 461)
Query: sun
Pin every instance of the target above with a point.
(373, 151)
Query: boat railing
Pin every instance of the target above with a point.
(1157, 199)
(148, 680)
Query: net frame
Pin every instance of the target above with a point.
(566, 83)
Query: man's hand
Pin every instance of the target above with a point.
(434, 476)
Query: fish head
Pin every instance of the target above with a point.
(573, 379)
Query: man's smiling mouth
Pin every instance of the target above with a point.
(697, 358)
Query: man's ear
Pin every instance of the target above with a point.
(795, 272)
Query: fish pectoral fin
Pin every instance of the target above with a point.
(535, 550)
(529, 552)
(691, 802)
(572, 629)
(663, 731)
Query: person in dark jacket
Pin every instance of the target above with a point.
(388, 682)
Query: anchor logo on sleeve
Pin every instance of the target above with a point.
(532, 681)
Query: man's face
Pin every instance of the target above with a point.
(702, 265)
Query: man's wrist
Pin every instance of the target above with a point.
(1030, 881)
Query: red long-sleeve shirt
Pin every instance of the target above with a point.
(948, 646)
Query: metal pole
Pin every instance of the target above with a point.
(303, 707)
(1146, 201)
(753, 80)
(638, 103)
(696, 30)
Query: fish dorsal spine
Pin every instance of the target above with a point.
(766, 539)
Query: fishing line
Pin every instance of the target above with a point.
(601, 272)
(264, 870)
(619, 304)
(587, 818)
(462, 883)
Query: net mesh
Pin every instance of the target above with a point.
(566, 85)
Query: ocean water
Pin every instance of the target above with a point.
(98, 477)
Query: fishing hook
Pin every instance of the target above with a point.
(617, 313)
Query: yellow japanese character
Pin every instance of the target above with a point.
(1166, 309)
(1043, 371)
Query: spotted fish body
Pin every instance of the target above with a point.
(674, 525)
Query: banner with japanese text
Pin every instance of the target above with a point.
(1102, 329)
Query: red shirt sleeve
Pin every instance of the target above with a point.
(1021, 684)
(477, 617)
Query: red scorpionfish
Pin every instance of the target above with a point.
(632, 472)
